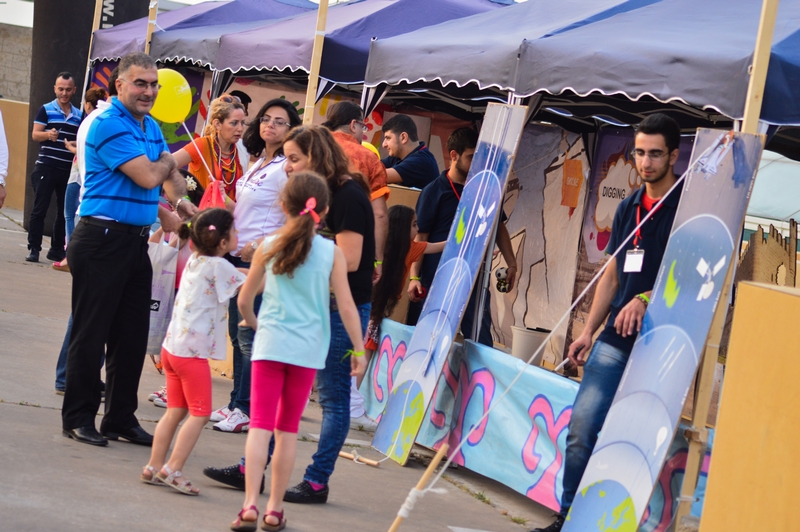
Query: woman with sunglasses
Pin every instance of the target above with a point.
(217, 151)
(257, 214)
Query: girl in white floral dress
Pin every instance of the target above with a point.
(195, 334)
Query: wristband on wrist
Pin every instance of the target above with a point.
(415, 278)
(180, 200)
(352, 353)
(643, 298)
(378, 263)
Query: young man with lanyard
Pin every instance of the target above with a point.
(622, 295)
(436, 210)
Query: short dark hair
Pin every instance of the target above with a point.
(462, 139)
(65, 75)
(341, 114)
(252, 138)
(666, 126)
(138, 59)
(243, 97)
(112, 82)
(401, 124)
(206, 229)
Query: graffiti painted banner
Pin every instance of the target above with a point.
(632, 448)
(472, 229)
(522, 442)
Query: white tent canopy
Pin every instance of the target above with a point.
(776, 193)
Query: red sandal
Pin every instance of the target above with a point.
(273, 528)
(242, 525)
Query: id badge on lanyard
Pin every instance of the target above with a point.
(634, 258)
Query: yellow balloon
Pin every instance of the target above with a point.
(371, 147)
(174, 100)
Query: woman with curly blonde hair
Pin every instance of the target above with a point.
(216, 154)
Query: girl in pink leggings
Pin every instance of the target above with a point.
(297, 269)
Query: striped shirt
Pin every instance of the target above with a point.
(115, 138)
(55, 153)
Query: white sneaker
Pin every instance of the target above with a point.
(161, 401)
(220, 415)
(157, 395)
(364, 422)
(237, 421)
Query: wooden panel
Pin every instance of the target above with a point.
(754, 477)
(15, 120)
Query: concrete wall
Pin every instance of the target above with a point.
(15, 62)
(15, 120)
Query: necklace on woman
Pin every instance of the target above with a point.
(229, 165)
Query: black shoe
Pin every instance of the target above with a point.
(85, 435)
(60, 391)
(33, 256)
(55, 256)
(230, 476)
(303, 493)
(554, 527)
(135, 435)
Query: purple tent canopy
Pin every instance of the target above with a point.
(115, 42)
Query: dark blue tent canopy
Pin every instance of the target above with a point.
(345, 53)
(697, 53)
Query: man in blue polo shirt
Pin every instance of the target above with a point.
(55, 123)
(127, 163)
(622, 295)
(436, 210)
(410, 163)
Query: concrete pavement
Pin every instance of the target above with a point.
(50, 482)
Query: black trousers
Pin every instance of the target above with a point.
(111, 285)
(45, 180)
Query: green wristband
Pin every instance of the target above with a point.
(643, 298)
(352, 353)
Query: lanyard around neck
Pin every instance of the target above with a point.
(458, 196)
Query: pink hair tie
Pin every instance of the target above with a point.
(311, 204)
(212, 228)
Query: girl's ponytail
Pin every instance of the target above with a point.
(304, 197)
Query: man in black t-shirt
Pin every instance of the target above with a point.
(436, 210)
(622, 295)
(410, 163)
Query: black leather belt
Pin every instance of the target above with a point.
(140, 230)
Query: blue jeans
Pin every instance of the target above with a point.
(245, 336)
(233, 332)
(61, 365)
(333, 384)
(485, 333)
(601, 376)
(72, 200)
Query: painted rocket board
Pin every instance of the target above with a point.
(625, 465)
(461, 260)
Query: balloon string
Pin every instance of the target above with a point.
(196, 147)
